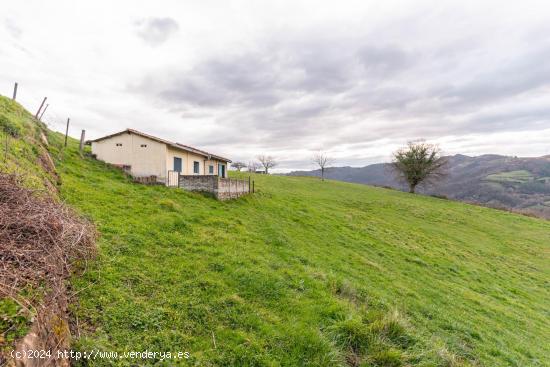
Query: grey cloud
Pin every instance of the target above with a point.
(384, 61)
(289, 94)
(528, 73)
(275, 73)
(240, 80)
(156, 31)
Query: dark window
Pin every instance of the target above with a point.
(211, 170)
(177, 164)
(118, 144)
(144, 145)
(196, 167)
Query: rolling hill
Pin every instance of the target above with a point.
(309, 273)
(521, 184)
(303, 273)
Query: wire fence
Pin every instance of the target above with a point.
(43, 112)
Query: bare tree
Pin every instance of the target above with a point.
(238, 165)
(267, 162)
(252, 166)
(419, 162)
(322, 160)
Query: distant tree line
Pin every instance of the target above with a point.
(415, 164)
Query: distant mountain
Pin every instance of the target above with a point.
(521, 184)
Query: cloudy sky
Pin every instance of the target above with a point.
(354, 78)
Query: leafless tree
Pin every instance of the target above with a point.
(238, 165)
(322, 160)
(252, 166)
(267, 162)
(419, 162)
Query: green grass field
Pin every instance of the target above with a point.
(303, 273)
(512, 177)
(20, 150)
(307, 272)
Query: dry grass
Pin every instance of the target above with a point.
(42, 242)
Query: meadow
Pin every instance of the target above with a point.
(306, 272)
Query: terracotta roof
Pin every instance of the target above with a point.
(169, 143)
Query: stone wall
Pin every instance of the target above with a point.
(198, 183)
(221, 188)
(229, 188)
(147, 180)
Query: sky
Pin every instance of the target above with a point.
(354, 79)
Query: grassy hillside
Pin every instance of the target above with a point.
(519, 184)
(303, 273)
(308, 273)
(23, 146)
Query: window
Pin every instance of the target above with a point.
(118, 144)
(177, 164)
(211, 169)
(196, 167)
(144, 145)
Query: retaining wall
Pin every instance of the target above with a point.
(221, 188)
(229, 188)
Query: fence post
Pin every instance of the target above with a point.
(40, 108)
(67, 131)
(249, 189)
(14, 91)
(42, 114)
(82, 137)
(253, 189)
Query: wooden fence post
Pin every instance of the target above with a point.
(14, 91)
(249, 189)
(42, 114)
(40, 108)
(253, 189)
(82, 137)
(67, 131)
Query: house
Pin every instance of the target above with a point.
(143, 155)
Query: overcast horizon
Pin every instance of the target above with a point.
(356, 79)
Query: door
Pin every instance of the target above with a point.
(221, 170)
(177, 164)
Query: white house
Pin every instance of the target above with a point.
(145, 155)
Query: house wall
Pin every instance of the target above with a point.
(154, 159)
(107, 151)
(144, 161)
(187, 162)
(148, 160)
